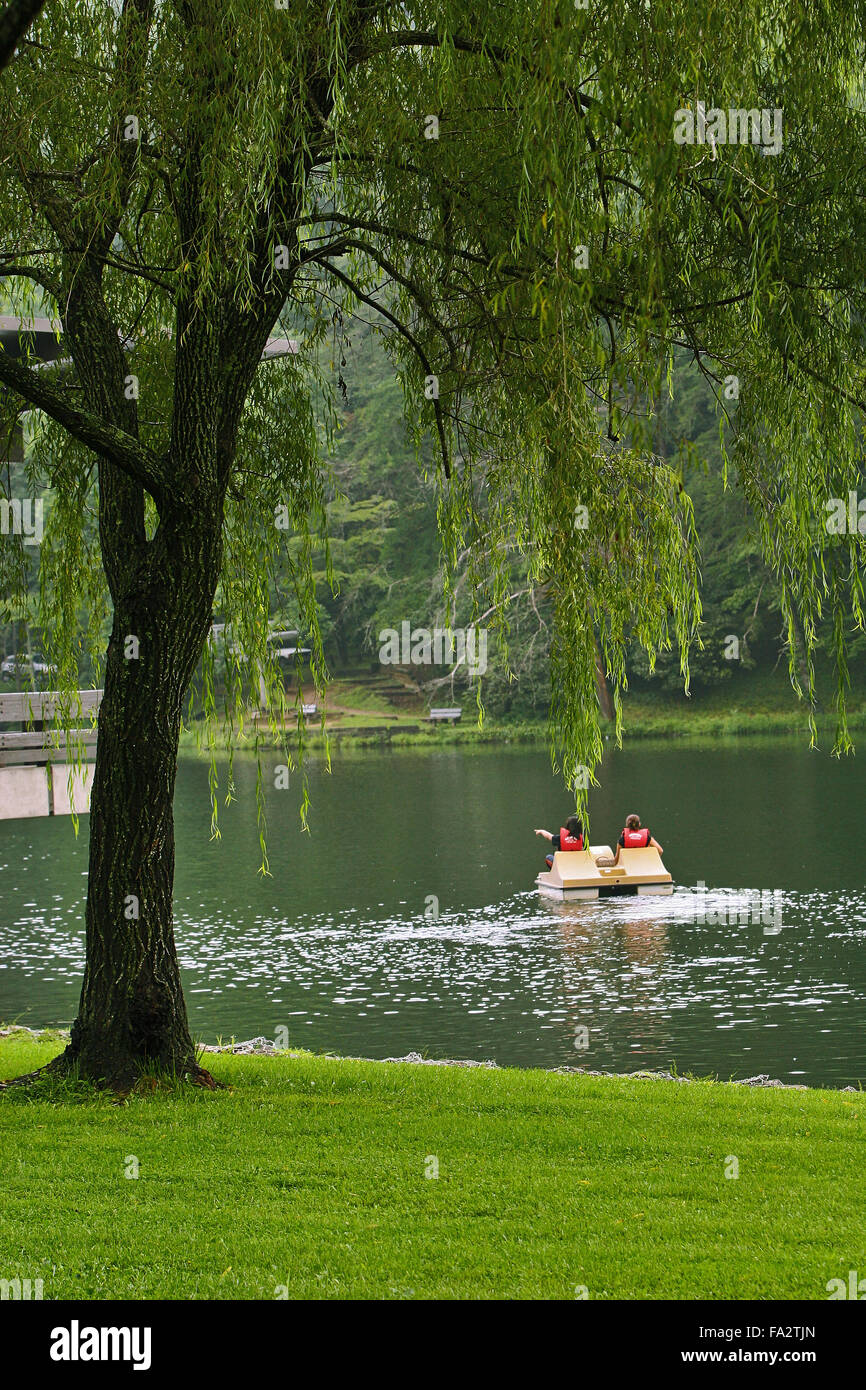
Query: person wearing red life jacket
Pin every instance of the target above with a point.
(633, 837)
(569, 839)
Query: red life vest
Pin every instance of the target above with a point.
(635, 839)
(568, 843)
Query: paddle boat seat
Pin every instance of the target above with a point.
(583, 875)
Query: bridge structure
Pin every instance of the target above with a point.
(45, 771)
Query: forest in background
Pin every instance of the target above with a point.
(386, 559)
(386, 564)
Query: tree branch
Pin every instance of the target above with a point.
(39, 277)
(14, 23)
(417, 293)
(365, 224)
(132, 458)
(414, 344)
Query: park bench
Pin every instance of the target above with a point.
(439, 716)
(37, 763)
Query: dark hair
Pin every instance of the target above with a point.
(632, 822)
(574, 826)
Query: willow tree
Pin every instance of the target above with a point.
(540, 202)
(15, 20)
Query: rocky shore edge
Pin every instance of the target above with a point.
(263, 1047)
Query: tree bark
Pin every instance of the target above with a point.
(15, 20)
(132, 1013)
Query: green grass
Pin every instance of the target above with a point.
(369, 697)
(375, 719)
(310, 1173)
(752, 703)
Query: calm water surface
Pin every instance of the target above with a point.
(343, 948)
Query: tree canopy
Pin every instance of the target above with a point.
(542, 203)
(507, 189)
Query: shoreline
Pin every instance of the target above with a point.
(721, 728)
(264, 1047)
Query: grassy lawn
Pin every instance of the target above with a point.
(375, 719)
(755, 703)
(310, 1173)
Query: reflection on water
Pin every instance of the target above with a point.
(517, 980)
(704, 983)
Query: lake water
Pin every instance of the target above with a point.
(408, 919)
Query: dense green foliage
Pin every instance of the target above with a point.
(386, 564)
(552, 210)
(505, 189)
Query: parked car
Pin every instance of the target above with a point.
(20, 667)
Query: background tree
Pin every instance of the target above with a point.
(181, 178)
(15, 20)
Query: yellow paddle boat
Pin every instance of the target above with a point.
(581, 875)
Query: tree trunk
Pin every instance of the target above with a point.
(132, 1012)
